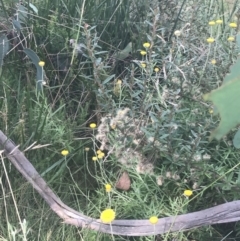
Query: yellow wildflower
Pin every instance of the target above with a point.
(153, 219)
(156, 69)
(41, 63)
(117, 87)
(107, 216)
(188, 193)
(93, 125)
(108, 187)
(211, 111)
(146, 45)
(87, 148)
(94, 158)
(210, 40)
(142, 52)
(232, 25)
(64, 152)
(211, 23)
(143, 65)
(231, 38)
(101, 155)
(113, 126)
(119, 82)
(213, 61)
(219, 21)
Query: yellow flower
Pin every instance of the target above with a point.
(113, 126)
(99, 151)
(64, 152)
(94, 158)
(156, 69)
(219, 21)
(188, 193)
(211, 23)
(117, 87)
(232, 25)
(142, 52)
(211, 111)
(231, 38)
(153, 220)
(210, 40)
(108, 187)
(107, 216)
(101, 155)
(143, 65)
(119, 82)
(213, 61)
(41, 63)
(87, 148)
(93, 125)
(146, 45)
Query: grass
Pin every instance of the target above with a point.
(153, 123)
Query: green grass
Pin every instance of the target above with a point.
(163, 135)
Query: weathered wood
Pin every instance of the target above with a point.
(224, 213)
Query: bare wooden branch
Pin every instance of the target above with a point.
(224, 213)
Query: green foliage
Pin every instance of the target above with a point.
(151, 121)
(236, 139)
(40, 72)
(225, 99)
(123, 54)
(4, 47)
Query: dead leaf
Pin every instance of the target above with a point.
(124, 182)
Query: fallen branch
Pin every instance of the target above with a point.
(224, 213)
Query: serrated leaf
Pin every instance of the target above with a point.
(4, 47)
(40, 72)
(226, 99)
(236, 140)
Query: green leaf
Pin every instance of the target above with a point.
(17, 25)
(22, 13)
(33, 8)
(33, 56)
(40, 72)
(124, 53)
(4, 47)
(108, 79)
(226, 99)
(238, 40)
(236, 140)
(234, 72)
